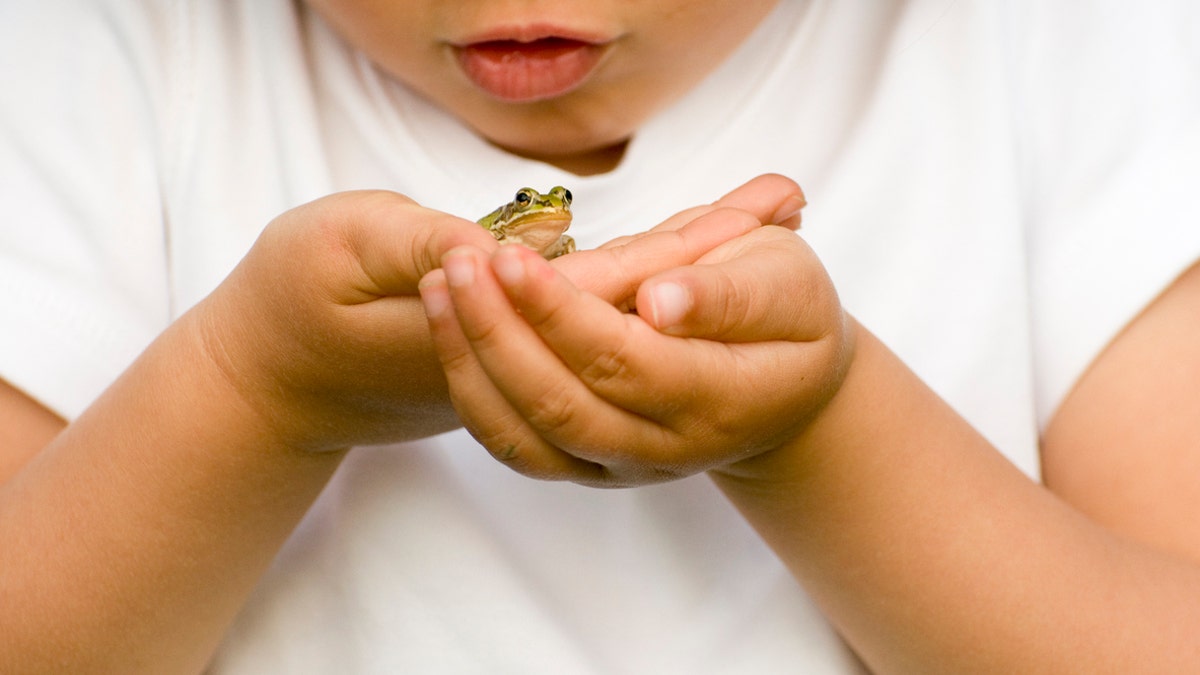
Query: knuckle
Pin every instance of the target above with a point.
(483, 332)
(732, 306)
(607, 368)
(502, 440)
(618, 242)
(521, 459)
(551, 411)
(533, 457)
(500, 443)
(457, 361)
(549, 319)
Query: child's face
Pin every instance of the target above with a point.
(551, 79)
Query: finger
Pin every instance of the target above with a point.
(541, 384)
(772, 198)
(684, 394)
(675, 222)
(615, 273)
(389, 240)
(766, 286)
(615, 355)
(484, 411)
(613, 270)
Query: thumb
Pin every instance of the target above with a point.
(766, 286)
(393, 240)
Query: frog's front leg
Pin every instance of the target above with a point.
(564, 245)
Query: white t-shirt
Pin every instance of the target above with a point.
(996, 189)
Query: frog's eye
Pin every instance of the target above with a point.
(562, 193)
(523, 197)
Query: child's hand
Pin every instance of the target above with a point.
(727, 359)
(321, 328)
(616, 270)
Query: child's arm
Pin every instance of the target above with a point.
(26, 426)
(927, 548)
(934, 554)
(128, 543)
(129, 540)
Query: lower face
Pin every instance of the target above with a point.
(557, 80)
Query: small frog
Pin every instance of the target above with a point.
(535, 220)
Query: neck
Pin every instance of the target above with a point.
(587, 163)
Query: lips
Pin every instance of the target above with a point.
(519, 70)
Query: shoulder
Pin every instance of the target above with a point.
(90, 32)
(66, 62)
(84, 83)
(1108, 109)
(1123, 445)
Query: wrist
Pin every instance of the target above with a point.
(789, 462)
(240, 389)
(315, 384)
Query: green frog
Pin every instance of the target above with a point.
(535, 220)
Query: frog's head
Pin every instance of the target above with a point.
(534, 219)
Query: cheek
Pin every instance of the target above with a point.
(670, 46)
(695, 36)
(401, 36)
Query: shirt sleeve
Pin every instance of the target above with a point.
(83, 272)
(1109, 99)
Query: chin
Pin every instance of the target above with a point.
(555, 138)
(584, 159)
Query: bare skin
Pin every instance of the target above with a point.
(927, 548)
(25, 427)
(130, 538)
(583, 130)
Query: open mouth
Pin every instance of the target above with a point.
(524, 71)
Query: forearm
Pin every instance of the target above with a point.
(130, 542)
(933, 554)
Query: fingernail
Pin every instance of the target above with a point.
(669, 303)
(459, 268)
(789, 209)
(435, 298)
(508, 266)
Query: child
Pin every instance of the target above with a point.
(1000, 199)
